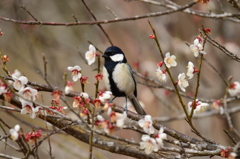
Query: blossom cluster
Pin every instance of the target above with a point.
(90, 56)
(234, 89)
(26, 94)
(30, 137)
(151, 142)
(116, 120)
(81, 102)
(170, 61)
(113, 120)
(197, 107)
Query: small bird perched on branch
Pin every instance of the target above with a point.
(118, 77)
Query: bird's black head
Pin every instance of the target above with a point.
(114, 54)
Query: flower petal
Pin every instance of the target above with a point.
(141, 122)
(77, 67)
(91, 61)
(23, 79)
(75, 77)
(145, 137)
(70, 68)
(17, 127)
(196, 41)
(92, 48)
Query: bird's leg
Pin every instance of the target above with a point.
(125, 108)
(112, 100)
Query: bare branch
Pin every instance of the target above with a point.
(220, 47)
(7, 156)
(105, 21)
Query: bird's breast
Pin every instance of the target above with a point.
(106, 78)
(123, 78)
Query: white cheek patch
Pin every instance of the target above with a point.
(117, 57)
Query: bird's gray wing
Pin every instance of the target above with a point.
(139, 109)
(135, 89)
(133, 97)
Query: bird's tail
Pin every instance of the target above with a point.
(136, 104)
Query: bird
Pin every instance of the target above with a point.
(118, 77)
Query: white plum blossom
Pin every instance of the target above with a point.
(19, 82)
(76, 72)
(148, 144)
(170, 60)
(161, 74)
(3, 89)
(221, 110)
(100, 118)
(68, 88)
(190, 70)
(146, 124)
(28, 93)
(39, 110)
(14, 132)
(90, 55)
(182, 82)
(102, 124)
(232, 155)
(120, 119)
(234, 88)
(84, 95)
(160, 137)
(199, 107)
(218, 106)
(197, 48)
(16, 73)
(27, 108)
(108, 107)
(109, 129)
(105, 96)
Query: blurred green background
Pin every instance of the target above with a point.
(63, 47)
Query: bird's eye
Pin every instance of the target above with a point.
(112, 53)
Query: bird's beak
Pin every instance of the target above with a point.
(104, 56)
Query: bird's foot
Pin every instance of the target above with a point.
(125, 109)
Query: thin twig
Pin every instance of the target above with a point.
(8, 156)
(220, 75)
(45, 66)
(49, 141)
(53, 132)
(75, 18)
(25, 122)
(211, 113)
(172, 5)
(229, 120)
(24, 8)
(155, 14)
(99, 25)
(95, 47)
(228, 134)
(168, 71)
(111, 11)
(220, 47)
(234, 3)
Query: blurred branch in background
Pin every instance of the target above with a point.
(63, 122)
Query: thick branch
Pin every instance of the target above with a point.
(102, 142)
(113, 144)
